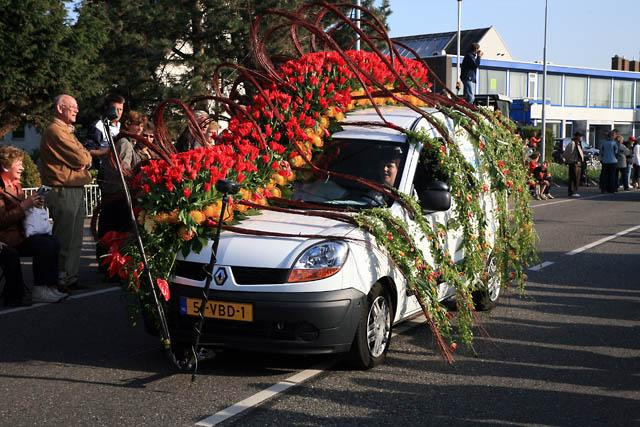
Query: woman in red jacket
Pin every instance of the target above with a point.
(44, 248)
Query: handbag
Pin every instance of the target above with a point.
(36, 221)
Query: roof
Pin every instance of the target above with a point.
(528, 66)
(427, 45)
(402, 116)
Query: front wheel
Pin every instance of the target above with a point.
(486, 298)
(373, 335)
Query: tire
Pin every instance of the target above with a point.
(376, 317)
(487, 297)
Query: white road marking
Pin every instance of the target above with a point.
(537, 205)
(603, 240)
(78, 296)
(540, 266)
(294, 380)
(263, 395)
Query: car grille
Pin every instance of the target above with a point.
(242, 275)
(190, 270)
(258, 276)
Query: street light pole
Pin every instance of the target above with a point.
(544, 83)
(357, 16)
(457, 86)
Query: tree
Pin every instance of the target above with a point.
(43, 55)
(166, 48)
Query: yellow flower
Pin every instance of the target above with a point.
(197, 216)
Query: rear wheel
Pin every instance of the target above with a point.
(487, 297)
(373, 335)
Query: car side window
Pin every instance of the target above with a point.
(427, 173)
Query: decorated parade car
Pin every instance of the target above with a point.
(339, 290)
(344, 196)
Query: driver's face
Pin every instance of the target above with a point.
(389, 172)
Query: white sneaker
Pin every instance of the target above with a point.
(54, 291)
(42, 294)
(575, 195)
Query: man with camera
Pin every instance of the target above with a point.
(65, 168)
(470, 64)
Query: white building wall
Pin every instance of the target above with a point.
(493, 47)
(29, 143)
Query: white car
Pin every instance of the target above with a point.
(337, 292)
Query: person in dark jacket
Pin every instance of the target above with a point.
(96, 141)
(573, 157)
(470, 64)
(44, 248)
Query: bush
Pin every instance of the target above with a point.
(561, 174)
(30, 175)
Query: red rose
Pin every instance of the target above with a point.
(164, 288)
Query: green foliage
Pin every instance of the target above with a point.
(167, 49)
(511, 245)
(30, 176)
(43, 56)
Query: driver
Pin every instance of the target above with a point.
(386, 172)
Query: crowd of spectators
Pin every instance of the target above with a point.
(65, 164)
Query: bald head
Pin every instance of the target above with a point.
(66, 108)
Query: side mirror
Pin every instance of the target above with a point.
(436, 197)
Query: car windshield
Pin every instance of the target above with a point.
(381, 162)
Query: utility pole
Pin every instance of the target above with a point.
(544, 83)
(457, 86)
(357, 16)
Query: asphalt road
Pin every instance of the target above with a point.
(566, 353)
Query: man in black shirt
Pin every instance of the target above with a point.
(470, 64)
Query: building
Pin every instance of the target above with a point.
(25, 137)
(592, 101)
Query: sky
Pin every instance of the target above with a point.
(580, 32)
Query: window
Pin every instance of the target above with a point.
(575, 91)
(636, 128)
(568, 129)
(556, 128)
(517, 85)
(638, 95)
(554, 88)
(622, 94)
(624, 129)
(600, 93)
(492, 82)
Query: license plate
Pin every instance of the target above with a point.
(218, 309)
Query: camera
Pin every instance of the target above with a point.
(43, 190)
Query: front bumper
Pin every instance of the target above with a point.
(283, 322)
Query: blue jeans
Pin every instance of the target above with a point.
(468, 87)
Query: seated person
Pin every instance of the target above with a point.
(542, 177)
(44, 248)
(15, 294)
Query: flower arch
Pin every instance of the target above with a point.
(295, 104)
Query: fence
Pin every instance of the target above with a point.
(91, 197)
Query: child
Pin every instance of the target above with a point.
(542, 177)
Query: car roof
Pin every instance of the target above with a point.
(401, 116)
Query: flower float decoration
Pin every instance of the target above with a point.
(278, 128)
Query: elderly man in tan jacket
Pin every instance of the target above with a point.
(64, 167)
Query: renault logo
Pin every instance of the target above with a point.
(221, 276)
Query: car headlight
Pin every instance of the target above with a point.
(319, 261)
